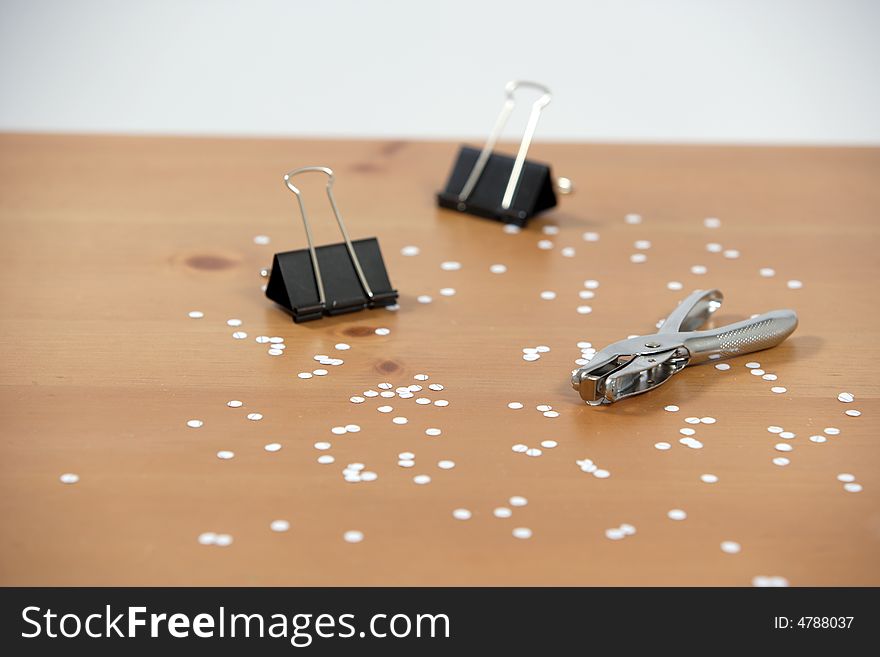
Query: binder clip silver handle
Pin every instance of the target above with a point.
(302, 208)
(506, 109)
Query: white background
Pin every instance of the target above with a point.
(769, 71)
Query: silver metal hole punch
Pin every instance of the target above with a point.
(636, 365)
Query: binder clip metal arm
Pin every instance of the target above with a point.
(330, 279)
(478, 177)
(636, 365)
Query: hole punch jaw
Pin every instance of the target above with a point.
(626, 376)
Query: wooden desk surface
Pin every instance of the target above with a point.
(109, 242)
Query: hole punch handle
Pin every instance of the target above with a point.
(314, 257)
(694, 311)
(515, 175)
(762, 332)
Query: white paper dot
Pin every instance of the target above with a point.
(422, 479)
(730, 547)
(196, 314)
(584, 310)
(533, 451)
(699, 270)
(519, 448)
(712, 222)
(783, 447)
(461, 514)
(615, 534)
(692, 420)
(382, 331)
(272, 447)
(674, 285)
(818, 439)
(446, 464)
(590, 236)
(708, 420)
(410, 251)
(548, 444)
(591, 284)
(709, 478)
(239, 335)
(662, 446)
(254, 417)
(852, 488)
(676, 514)
(424, 298)
(846, 477)
(194, 424)
(223, 540)
(498, 269)
(846, 397)
(262, 240)
(207, 538)
(852, 412)
(353, 536)
(772, 581)
(601, 474)
(517, 500)
(305, 375)
(633, 219)
(441, 403)
(548, 295)
(731, 254)
(225, 454)
(279, 525)
(68, 478)
(778, 389)
(672, 408)
(722, 366)
(326, 459)
(356, 400)
(545, 245)
(831, 431)
(794, 284)
(234, 403)
(399, 420)
(522, 532)
(385, 409)
(502, 512)
(433, 431)
(511, 229)
(781, 461)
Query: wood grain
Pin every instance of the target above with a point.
(108, 243)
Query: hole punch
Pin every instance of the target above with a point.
(332, 279)
(641, 363)
(496, 186)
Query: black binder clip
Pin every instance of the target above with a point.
(500, 187)
(331, 279)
